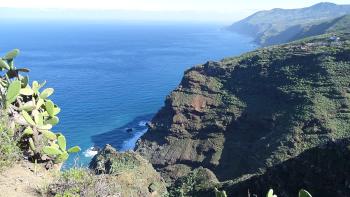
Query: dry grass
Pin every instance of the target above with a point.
(9, 151)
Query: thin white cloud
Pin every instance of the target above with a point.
(212, 10)
(163, 5)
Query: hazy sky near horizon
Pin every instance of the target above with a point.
(195, 9)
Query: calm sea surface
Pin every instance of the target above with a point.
(111, 76)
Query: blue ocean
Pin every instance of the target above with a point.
(110, 78)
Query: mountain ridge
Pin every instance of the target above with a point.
(264, 26)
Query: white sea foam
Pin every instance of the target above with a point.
(90, 152)
(130, 144)
(143, 123)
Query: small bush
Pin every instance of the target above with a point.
(71, 183)
(77, 182)
(9, 151)
(76, 175)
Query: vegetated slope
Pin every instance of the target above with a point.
(112, 174)
(322, 170)
(283, 25)
(242, 115)
(340, 24)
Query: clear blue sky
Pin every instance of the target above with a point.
(219, 10)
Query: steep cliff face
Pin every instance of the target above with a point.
(242, 115)
(189, 128)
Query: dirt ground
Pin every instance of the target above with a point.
(20, 180)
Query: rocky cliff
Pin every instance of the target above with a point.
(243, 115)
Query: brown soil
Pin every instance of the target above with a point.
(198, 103)
(20, 180)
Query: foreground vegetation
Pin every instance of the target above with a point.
(9, 150)
(278, 117)
(77, 182)
(26, 121)
(30, 115)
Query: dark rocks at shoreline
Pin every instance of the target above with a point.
(129, 130)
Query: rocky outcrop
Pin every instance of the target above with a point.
(241, 116)
(133, 175)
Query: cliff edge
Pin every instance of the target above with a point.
(243, 115)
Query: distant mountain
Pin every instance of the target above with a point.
(338, 25)
(282, 25)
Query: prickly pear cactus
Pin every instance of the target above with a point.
(58, 151)
(270, 193)
(220, 193)
(32, 113)
(304, 193)
(13, 91)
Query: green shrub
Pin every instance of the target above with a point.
(302, 193)
(80, 182)
(9, 151)
(71, 183)
(77, 175)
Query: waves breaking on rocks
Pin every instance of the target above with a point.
(134, 130)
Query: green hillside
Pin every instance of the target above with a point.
(277, 117)
(244, 115)
(283, 25)
(341, 24)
